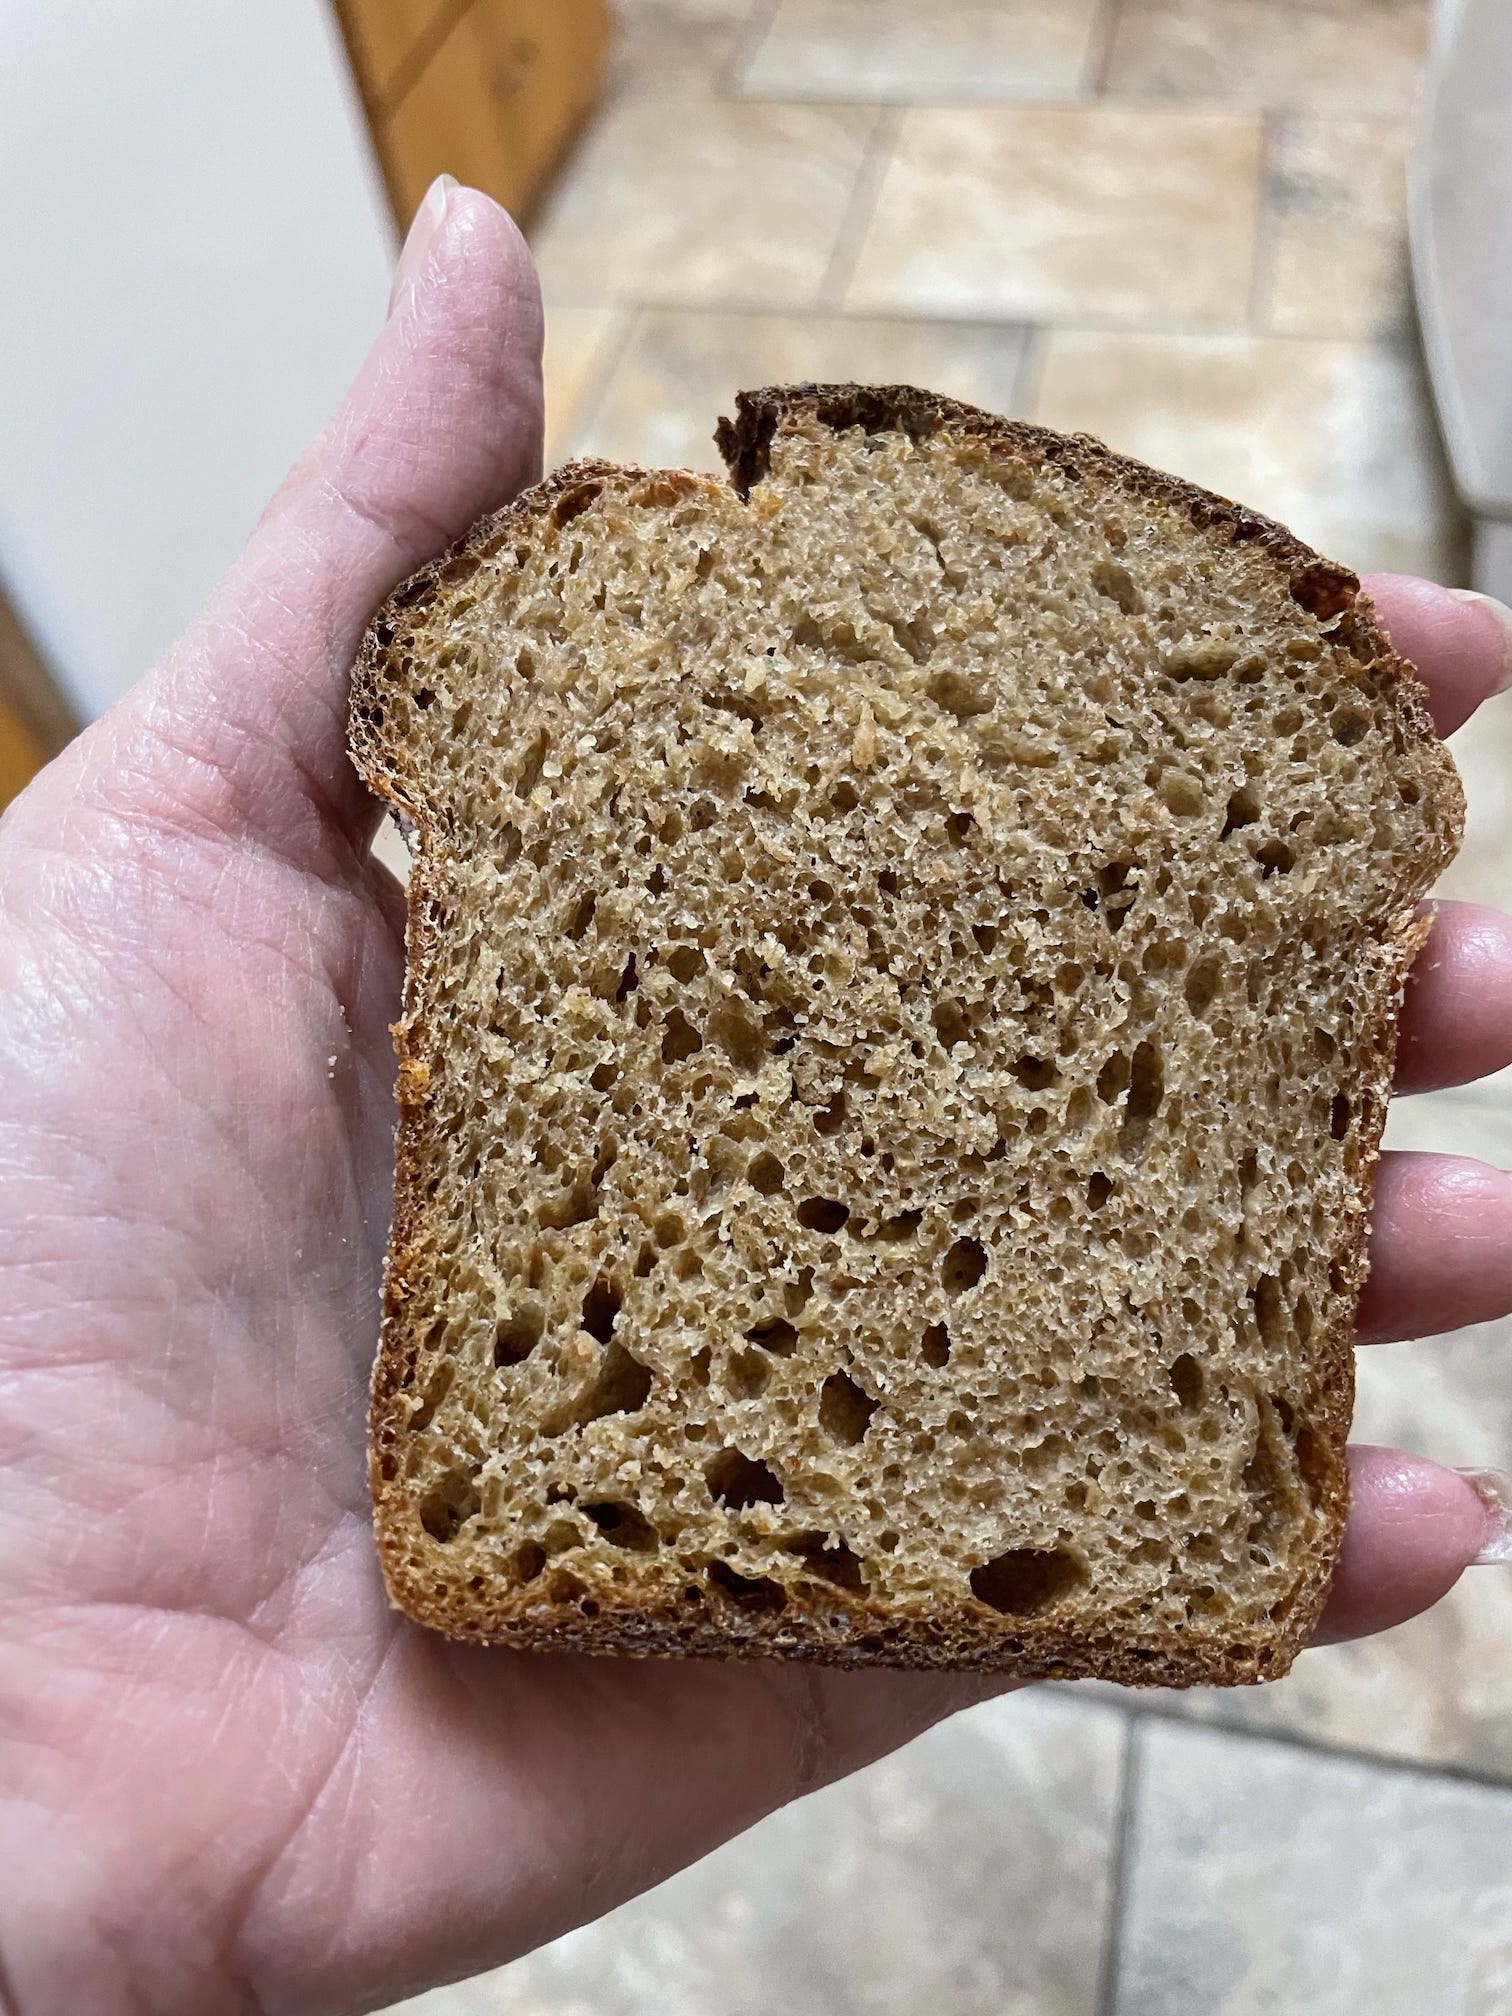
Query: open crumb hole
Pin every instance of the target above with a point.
(528, 1561)
(828, 1119)
(1243, 810)
(736, 1029)
(746, 1376)
(1026, 1580)
(1202, 983)
(737, 1480)
(822, 1214)
(518, 1334)
(1187, 1382)
(963, 1266)
(1146, 1090)
(750, 1592)
(831, 1561)
(448, 1505)
(845, 1409)
(622, 1386)
(680, 1039)
(601, 1307)
(779, 1337)
(685, 963)
(623, 1526)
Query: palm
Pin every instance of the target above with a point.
(267, 1789)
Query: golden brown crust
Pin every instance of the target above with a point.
(1120, 1649)
(1027, 1649)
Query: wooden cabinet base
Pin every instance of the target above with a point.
(35, 720)
(491, 91)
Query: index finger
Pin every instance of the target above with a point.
(1460, 642)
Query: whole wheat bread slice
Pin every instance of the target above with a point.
(903, 958)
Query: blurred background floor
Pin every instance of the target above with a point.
(1178, 224)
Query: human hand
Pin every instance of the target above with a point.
(230, 1777)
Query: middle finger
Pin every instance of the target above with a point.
(1440, 1247)
(1457, 1012)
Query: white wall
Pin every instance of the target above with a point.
(194, 254)
(1445, 20)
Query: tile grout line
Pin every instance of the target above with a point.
(1090, 92)
(1099, 57)
(631, 304)
(1315, 1746)
(860, 208)
(1030, 375)
(1075, 325)
(1131, 1765)
(1261, 245)
(747, 47)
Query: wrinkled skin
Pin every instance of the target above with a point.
(230, 1778)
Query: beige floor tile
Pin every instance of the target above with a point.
(1445, 1397)
(1470, 1120)
(1091, 212)
(955, 51)
(968, 1876)
(391, 850)
(1263, 1878)
(1358, 55)
(579, 343)
(1333, 233)
(679, 372)
(675, 48)
(1334, 439)
(1483, 751)
(703, 204)
(1432, 1691)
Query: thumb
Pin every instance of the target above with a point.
(242, 727)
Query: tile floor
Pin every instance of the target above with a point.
(1178, 223)
(830, 1908)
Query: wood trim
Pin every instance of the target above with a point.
(29, 689)
(417, 58)
(365, 60)
(492, 91)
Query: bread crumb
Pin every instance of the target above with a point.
(864, 746)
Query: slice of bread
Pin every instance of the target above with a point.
(903, 959)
